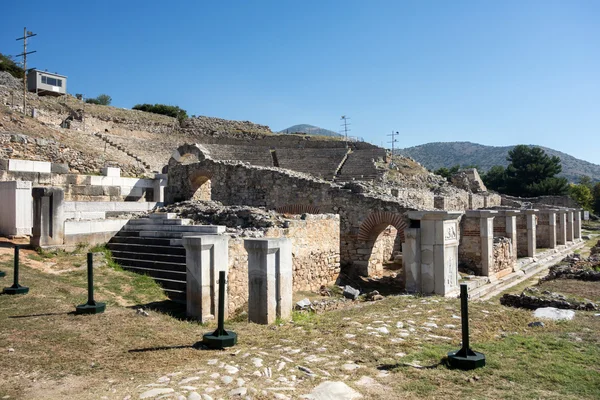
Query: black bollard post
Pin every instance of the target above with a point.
(16, 288)
(91, 307)
(465, 358)
(220, 338)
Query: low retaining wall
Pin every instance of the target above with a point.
(315, 256)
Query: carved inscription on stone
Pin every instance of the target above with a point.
(450, 232)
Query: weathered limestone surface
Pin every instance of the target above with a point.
(438, 253)
(316, 256)
(269, 279)
(570, 224)
(206, 256)
(48, 219)
(16, 208)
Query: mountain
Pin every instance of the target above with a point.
(310, 130)
(448, 154)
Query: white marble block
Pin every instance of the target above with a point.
(206, 255)
(269, 279)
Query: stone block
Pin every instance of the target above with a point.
(114, 172)
(57, 168)
(269, 279)
(205, 256)
(16, 210)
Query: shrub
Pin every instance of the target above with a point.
(163, 109)
(7, 64)
(103, 100)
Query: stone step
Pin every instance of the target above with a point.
(173, 276)
(169, 234)
(148, 256)
(166, 250)
(147, 241)
(154, 221)
(163, 216)
(165, 266)
(205, 229)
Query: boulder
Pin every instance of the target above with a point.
(554, 314)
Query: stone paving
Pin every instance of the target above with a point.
(288, 371)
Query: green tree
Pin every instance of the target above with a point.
(103, 100)
(531, 172)
(586, 181)
(495, 178)
(7, 64)
(582, 195)
(447, 172)
(171, 111)
(596, 194)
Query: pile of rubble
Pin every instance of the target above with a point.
(532, 299)
(240, 220)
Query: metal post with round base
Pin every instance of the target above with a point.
(16, 288)
(91, 307)
(220, 338)
(465, 358)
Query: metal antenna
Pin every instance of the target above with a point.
(345, 125)
(26, 34)
(394, 140)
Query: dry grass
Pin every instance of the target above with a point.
(61, 355)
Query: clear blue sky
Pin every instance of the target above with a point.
(496, 73)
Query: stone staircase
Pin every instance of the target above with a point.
(123, 149)
(153, 246)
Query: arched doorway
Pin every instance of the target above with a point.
(380, 240)
(200, 185)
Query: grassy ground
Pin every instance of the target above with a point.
(60, 355)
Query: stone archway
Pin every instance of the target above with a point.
(188, 154)
(380, 238)
(200, 185)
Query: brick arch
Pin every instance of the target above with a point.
(298, 209)
(382, 218)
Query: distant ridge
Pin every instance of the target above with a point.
(448, 154)
(310, 130)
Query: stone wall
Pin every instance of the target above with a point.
(469, 249)
(539, 202)
(315, 256)
(503, 257)
(240, 184)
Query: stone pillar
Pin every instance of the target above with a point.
(561, 227)
(546, 229)
(511, 229)
(531, 225)
(577, 224)
(438, 253)
(570, 225)
(486, 226)
(205, 256)
(160, 182)
(48, 219)
(16, 209)
(269, 279)
(526, 223)
(411, 259)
